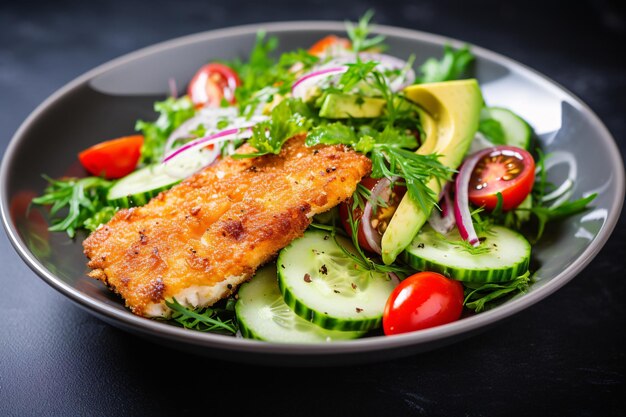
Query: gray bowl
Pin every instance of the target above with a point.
(106, 102)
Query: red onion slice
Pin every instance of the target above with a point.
(223, 136)
(298, 89)
(444, 221)
(461, 201)
(394, 278)
(380, 192)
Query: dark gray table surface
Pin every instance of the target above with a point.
(563, 356)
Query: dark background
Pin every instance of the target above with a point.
(563, 356)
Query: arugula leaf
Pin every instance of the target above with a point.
(85, 202)
(172, 113)
(546, 214)
(203, 319)
(451, 67)
(358, 34)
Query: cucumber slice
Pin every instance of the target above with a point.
(137, 188)
(320, 282)
(262, 314)
(517, 132)
(507, 255)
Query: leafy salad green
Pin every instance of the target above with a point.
(278, 89)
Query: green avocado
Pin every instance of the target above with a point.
(344, 106)
(454, 110)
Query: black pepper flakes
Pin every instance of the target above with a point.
(323, 270)
(353, 285)
(421, 246)
(307, 278)
(337, 291)
(358, 310)
(229, 286)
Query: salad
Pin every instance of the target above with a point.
(442, 227)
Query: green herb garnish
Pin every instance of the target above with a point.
(83, 202)
(172, 113)
(359, 34)
(209, 319)
(452, 66)
(479, 297)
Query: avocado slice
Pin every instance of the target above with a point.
(453, 108)
(344, 106)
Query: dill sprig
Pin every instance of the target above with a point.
(479, 296)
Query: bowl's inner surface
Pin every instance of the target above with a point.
(109, 104)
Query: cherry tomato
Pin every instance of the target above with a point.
(331, 41)
(379, 220)
(114, 158)
(423, 300)
(507, 170)
(212, 83)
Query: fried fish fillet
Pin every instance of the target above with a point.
(201, 239)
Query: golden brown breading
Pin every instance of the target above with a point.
(202, 238)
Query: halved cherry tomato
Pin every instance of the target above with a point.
(330, 41)
(380, 218)
(507, 170)
(114, 158)
(423, 300)
(212, 83)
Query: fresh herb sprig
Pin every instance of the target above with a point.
(359, 34)
(481, 296)
(264, 77)
(209, 319)
(288, 119)
(76, 203)
(451, 66)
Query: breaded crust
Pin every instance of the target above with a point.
(201, 239)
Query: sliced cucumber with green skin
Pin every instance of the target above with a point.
(263, 315)
(321, 284)
(137, 188)
(517, 132)
(505, 257)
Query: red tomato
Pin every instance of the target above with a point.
(423, 300)
(380, 219)
(212, 83)
(114, 158)
(330, 41)
(507, 170)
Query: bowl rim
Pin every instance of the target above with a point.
(377, 343)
